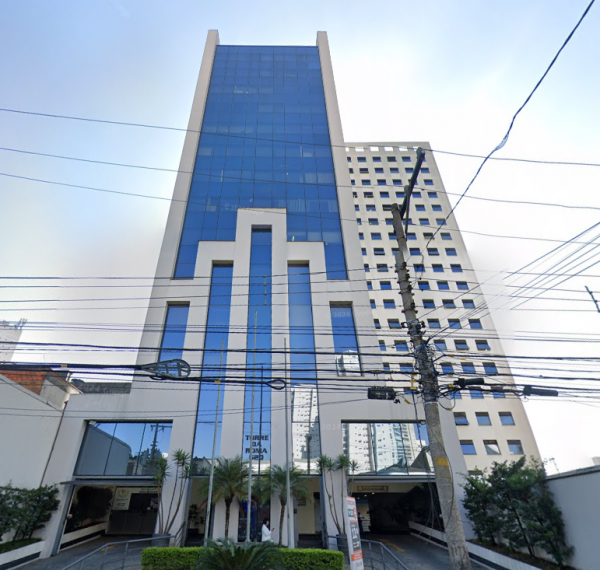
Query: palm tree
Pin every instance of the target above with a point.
(230, 481)
(275, 483)
(182, 462)
(342, 463)
(326, 464)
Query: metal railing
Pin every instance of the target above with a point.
(376, 555)
(123, 555)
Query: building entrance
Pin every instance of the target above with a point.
(134, 511)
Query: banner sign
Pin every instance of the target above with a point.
(353, 534)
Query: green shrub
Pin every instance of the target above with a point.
(174, 558)
(311, 559)
(226, 554)
(171, 558)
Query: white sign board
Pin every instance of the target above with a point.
(353, 534)
(122, 499)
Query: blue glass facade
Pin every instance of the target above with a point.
(306, 447)
(264, 143)
(214, 365)
(173, 338)
(258, 359)
(345, 342)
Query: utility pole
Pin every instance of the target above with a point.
(455, 535)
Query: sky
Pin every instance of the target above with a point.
(449, 72)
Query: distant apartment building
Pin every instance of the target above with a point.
(10, 333)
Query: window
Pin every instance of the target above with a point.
(490, 368)
(386, 367)
(454, 324)
(491, 447)
(476, 393)
(498, 392)
(451, 251)
(468, 368)
(475, 324)
(381, 182)
(356, 207)
(428, 235)
(358, 221)
(174, 332)
(425, 170)
(377, 323)
(367, 269)
(414, 251)
(397, 182)
(416, 194)
(373, 305)
(406, 368)
(395, 251)
(394, 171)
(447, 368)
(382, 268)
(436, 208)
(370, 285)
(378, 250)
(406, 159)
(379, 171)
(428, 304)
(353, 182)
(455, 395)
(468, 304)
(419, 268)
(389, 304)
(432, 194)
(391, 159)
(440, 344)
(428, 182)
(482, 345)
(423, 221)
(456, 268)
(349, 159)
(373, 222)
(362, 159)
(392, 235)
(515, 447)
(122, 448)
(446, 236)
(419, 207)
(437, 268)
(449, 304)
(401, 345)
(411, 236)
(433, 251)
(389, 222)
(351, 170)
(468, 447)
(361, 236)
(364, 170)
(461, 345)
(424, 285)
(460, 419)
(366, 182)
(386, 207)
(443, 286)
(399, 194)
(462, 286)
(409, 170)
(483, 419)
(376, 159)
(376, 236)
(345, 342)
(371, 208)
(381, 345)
(386, 285)
(440, 221)
(506, 419)
(433, 323)
(394, 324)
(363, 250)
(384, 194)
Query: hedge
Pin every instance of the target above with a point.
(174, 558)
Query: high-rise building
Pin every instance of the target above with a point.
(261, 285)
(10, 333)
(492, 425)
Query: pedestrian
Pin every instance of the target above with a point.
(266, 531)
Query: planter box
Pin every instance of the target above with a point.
(21, 555)
(478, 553)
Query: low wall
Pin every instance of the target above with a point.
(20, 556)
(478, 553)
(81, 535)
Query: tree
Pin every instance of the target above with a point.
(230, 481)
(479, 504)
(181, 460)
(326, 464)
(33, 508)
(7, 509)
(275, 483)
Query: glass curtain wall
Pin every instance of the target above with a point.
(345, 342)
(264, 144)
(214, 367)
(257, 397)
(395, 448)
(173, 339)
(306, 438)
